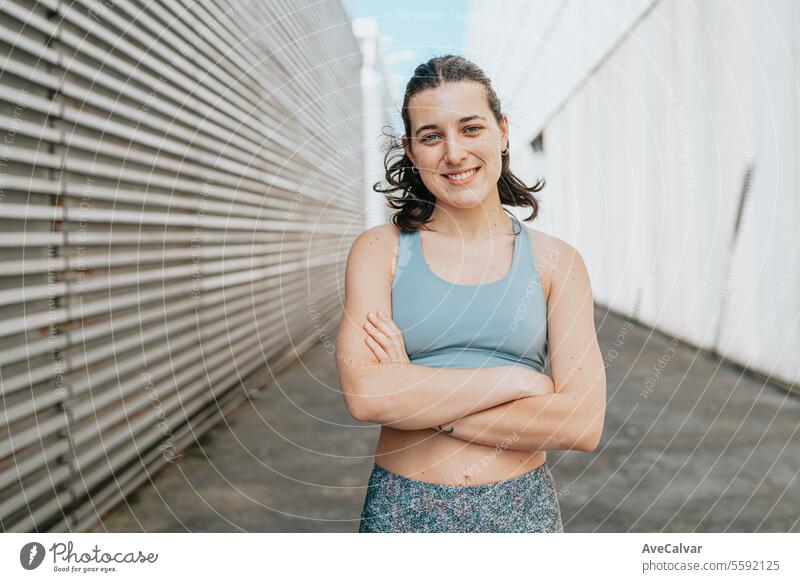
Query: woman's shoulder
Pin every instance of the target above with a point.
(554, 256)
(377, 239)
(376, 247)
(549, 244)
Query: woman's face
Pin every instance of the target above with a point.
(455, 143)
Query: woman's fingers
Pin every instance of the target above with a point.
(386, 333)
(395, 334)
(379, 352)
(380, 323)
(378, 335)
(388, 328)
(386, 344)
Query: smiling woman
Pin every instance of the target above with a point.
(449, 315)
(443, 136)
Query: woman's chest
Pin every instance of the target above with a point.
(473, 270)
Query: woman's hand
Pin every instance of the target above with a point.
(385, 339)
(531, 383)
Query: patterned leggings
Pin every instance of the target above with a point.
(526, 503)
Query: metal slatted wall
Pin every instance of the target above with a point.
(175, 212)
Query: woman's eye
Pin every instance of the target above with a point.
(434, 136)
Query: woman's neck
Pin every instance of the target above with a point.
(471, 224)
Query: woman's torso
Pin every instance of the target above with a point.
(447, 324)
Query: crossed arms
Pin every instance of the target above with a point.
(488, 406)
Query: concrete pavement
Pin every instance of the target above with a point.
(690, 444)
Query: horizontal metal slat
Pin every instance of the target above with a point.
(15, 468)
(31, 435)
(34, 490)
(183, 217)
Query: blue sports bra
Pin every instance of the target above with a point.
(447, 325)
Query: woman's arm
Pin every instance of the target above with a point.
(572, 417)
(378, 383)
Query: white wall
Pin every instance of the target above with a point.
(377, 109)
(652, 114)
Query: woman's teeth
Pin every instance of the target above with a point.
(462, 176)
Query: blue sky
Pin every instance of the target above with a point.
(417, 30)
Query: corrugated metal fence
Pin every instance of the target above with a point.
(179, 183)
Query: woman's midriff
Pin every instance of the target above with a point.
(427, 455)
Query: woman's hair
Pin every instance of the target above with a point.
(415, 202)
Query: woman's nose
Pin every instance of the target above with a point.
(454, 151)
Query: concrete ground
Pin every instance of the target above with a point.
(690, 444)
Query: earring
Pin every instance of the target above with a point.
(414, 169)
(504, 152)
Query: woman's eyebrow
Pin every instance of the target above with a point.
(434, 126)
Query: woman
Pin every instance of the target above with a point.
(449, 315)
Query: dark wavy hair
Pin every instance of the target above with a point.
(415, 202)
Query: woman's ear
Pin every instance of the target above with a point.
(504, 132)
(407, 149)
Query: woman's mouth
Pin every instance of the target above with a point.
(461, 178)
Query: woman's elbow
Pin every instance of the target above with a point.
(366, 402)
(589, 443)
(357, 409)
(351, 386)
(362, 406)
(589, 439)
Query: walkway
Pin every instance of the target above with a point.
(689, 445)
